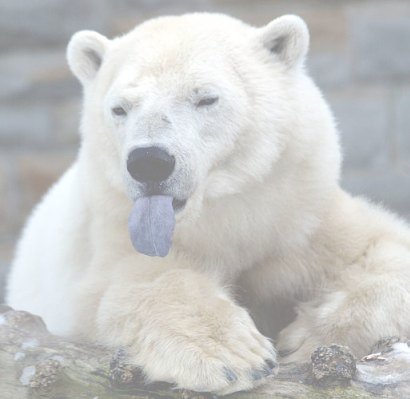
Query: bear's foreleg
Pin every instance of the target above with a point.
(183, 328)
(370, 300)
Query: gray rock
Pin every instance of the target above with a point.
(379, 36)
(388, 187)
(362, 115)
(329, 69)
(25, 125)
(36, 23)
(30, 75)
(333, 365)
(402, 124)
(65, 123)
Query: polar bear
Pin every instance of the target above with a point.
(266, 244)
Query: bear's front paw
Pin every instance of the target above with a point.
(219, 352)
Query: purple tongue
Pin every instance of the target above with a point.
(151, 225)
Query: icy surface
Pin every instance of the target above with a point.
(401, 351)
(19, 356)
(27, 374)
(31, 343)
(58, 358)
(391, 368)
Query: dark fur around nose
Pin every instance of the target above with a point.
(150, 164)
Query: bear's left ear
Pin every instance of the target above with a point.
(85, 54)
(287, 38)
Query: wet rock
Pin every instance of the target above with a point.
(385, 344)
(41, 376)
(27, 374)
(333, 365)
(30, 344)
(46, 374)
(186, 394)
(25, 322)
(4, 308)
(19, 356)
(122, 373)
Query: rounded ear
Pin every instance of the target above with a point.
(85, 54)
(287, 38)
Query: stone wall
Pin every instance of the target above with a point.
(360, 57)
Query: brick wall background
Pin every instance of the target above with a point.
(360, 57)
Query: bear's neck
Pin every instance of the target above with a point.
(263, 223)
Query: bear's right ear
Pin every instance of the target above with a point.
(287, 38)
(85, 54)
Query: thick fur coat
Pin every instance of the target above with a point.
(267, 245)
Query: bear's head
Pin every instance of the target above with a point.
(202, 106)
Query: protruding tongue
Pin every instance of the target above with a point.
(151, 225)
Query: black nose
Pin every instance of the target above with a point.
(150, 164)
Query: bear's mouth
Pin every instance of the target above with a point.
(154, 189)
(151, 223)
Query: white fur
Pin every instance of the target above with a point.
(266, 225)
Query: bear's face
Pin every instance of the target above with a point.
(199, 99)
(194, 110)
